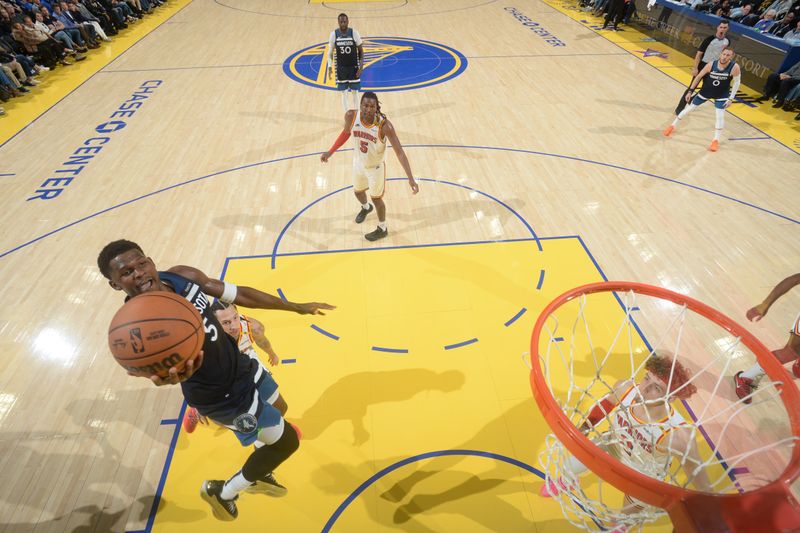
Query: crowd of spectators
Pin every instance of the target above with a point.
(777, 18)
(40, 35)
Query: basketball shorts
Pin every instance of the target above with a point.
(260, 414)
(346, 78)
(372, 178)
(719, 103)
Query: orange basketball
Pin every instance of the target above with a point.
(154, 332)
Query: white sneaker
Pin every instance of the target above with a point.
(2, 111)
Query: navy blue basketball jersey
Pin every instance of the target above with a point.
(346, 49)
(225, 379)
(717, 83)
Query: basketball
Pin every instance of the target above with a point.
(154, 332)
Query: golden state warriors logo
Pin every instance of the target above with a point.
(390, 64)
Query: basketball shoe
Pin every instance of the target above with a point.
(191, 419)
(363, 214)
(552, 487)
(668, 130)
(268, 485)
(744, 386)
(211, 491)
(377, 234)
(714, 145)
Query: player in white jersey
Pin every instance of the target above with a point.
(644, 431)
(370, 130)
(745, 381)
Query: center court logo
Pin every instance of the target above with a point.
(390, 64)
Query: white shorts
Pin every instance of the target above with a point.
(373, 178)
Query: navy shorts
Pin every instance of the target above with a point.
(246, 424)
(719, 103)
(346, 79)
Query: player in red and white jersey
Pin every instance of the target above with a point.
(644, 431)
(370, 130)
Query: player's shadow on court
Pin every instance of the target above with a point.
(436, 486)
(349, 398)
(90, 519)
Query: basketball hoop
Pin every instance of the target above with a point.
(750, 464)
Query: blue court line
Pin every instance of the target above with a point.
(447, 146)
(169, 421)
(541, 280)
(326, 333)
(515, 317)
(5, 175)
(162, 481)
(304, 209)
(93, 75)
(328, 17)
(389, 350)
(283, 296)
(246, 65)
(460, 344)
(441, 453)
(558, 339)
(750, 139)
(635, 308)
(288, 361)
(398, 247)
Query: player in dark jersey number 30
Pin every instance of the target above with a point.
(222, 383)
(347, 45)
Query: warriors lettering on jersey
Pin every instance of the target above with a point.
(637, 434)
(370, 148)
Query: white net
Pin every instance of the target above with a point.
(650, 382)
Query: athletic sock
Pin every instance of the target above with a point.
(365, 206)
(344, 100)
(754, 372)
(234, 486)
(382, 225)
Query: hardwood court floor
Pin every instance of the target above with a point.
(530, 140)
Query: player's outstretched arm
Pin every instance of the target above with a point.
(683, 443)
(758, 312)
(262, 341)
(391, 135)
(247, 296)
(349, 119)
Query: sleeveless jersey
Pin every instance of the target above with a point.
(225, 379)
(246, 340)
(638, 437)
(346, 48)
(717, 83)
(370, 149)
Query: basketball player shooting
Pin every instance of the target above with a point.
(716, 77)
(370, 129)
(644, 428)
(222, 383)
